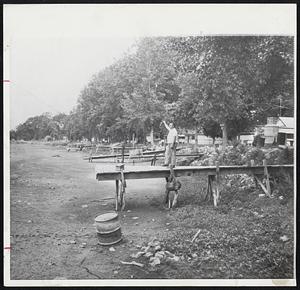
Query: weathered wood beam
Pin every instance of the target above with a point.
(262, 185)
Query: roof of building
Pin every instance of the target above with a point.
(287, 122)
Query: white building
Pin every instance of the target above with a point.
(280, 130)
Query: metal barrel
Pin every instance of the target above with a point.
(108, 228)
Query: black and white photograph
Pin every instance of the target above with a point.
(149, 144)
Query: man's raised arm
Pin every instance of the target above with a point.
(166, 125)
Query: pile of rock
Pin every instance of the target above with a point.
(155, 253)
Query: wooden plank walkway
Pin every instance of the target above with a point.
(141, 172)
(213, 173)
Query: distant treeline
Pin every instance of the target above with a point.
(198, 83)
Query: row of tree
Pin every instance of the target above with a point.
(199, 83)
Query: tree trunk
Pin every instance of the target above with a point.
(225, 137)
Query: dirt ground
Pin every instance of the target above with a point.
(55, 198)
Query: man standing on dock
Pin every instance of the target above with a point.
(172, 139)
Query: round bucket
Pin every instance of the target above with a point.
(108, 228)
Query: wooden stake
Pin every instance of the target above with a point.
(208, 188)
(117, 195)
(216, 193)
(267, 177)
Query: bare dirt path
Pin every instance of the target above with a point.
(54, 200)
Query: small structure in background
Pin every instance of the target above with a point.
(279, 130)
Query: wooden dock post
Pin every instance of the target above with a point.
(252, 163)
(216, 193)
(120, 188)
(208, 196)
(153, 161)
(123, 151)
(117, 195)
(267, 176)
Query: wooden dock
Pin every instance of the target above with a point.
(141, 172)
(260, 173)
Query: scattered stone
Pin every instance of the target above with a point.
(280, 197)
(167, 224)
(155, 261)
(153, 220)
(129, 210)
(28, 203)
(146, 249)
(116, 272)
(157, 248)
(159, 256)
(84, 206)
(131, 276)
(83, 245)
(176, 258)
(194, 255)
(156, 243)
(19, 201)
(261, 195)
(284, 238)
(73, 242)
(29, 221)
(112, 249)
(135, 217)
(137, 255)
(124, 215)
(148, 254)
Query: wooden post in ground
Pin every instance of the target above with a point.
(154, 159)
(123, 150)
(252, 163)
(209, 188)
(117, 195)
(266, 173)
(217, 179)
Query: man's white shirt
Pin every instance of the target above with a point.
(172, 136)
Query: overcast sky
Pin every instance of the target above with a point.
(52, 51)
